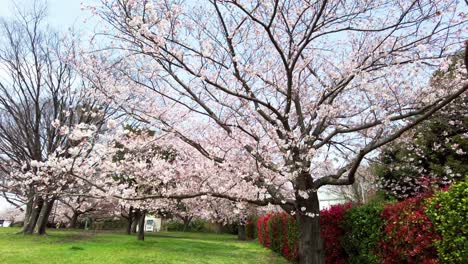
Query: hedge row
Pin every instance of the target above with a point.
(278, 231)
(426, 229)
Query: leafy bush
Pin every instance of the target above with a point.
(278, 231)
(196, 225)
(332, 233)
(363, 227)
(263, 232)
(383, 233)
(291, 248)
(232, 229)
(174, 225)
(112, 224)
(408, 234)
(448, 211)
(275, 227)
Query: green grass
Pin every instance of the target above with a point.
(71, 247)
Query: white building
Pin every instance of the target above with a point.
(5, 223)
(152, 224)
(328, 198)
(9, 214)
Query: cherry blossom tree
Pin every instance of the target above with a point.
(41, 101)
(146, 164)
(294, 94)
(71, 208)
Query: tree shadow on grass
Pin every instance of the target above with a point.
(74, 237)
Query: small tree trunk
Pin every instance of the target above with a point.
(241, 235)
(187, 220)
(30, 222)
(74, 220)
(130, 221)
(141, 226)
(311, 249)
(44, 216)
(164, 224)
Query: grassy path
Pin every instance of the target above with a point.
(70, 247)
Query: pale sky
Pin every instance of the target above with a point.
(62, 14)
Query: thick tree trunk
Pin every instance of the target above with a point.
(44, 216)
(136, 219)
(129, 226)
(311, 250)
(29, 208)
(141, 225)
(30, 222)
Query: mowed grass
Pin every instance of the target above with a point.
(81, 247)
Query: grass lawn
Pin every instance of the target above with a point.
(78, 247)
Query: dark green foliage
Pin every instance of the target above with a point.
(230, 229)
(113, 224)
(435, 154)
(363, 227)
(292, 233)
(250, 228)
(202, 226)
(449, 213)
(276, 233)
(196, 225)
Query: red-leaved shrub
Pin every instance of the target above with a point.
(278, 232)
(263, 232)
(291, 247)
(408, 235)
(332, 233)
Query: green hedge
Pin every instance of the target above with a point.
(202, 226)
(114, 224)
(363, 227)
(448, 211)
(278, 231)
(196, 225)
(431, 228)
